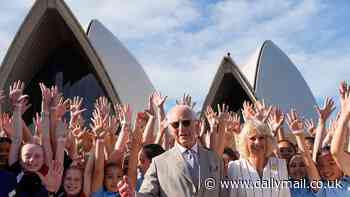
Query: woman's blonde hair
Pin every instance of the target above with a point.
(255, 126)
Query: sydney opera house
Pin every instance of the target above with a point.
(52, 47)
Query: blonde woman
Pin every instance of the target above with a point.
(258, 173)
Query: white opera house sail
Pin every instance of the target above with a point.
(52, 47)
(269, 75)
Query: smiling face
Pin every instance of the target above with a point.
(296, 167)
(285, 150)
(182, 125)
(113, 175)
(32, 157)
(328, 168)
(73, 181)
(256, 144)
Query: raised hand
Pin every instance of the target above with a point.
(46, 98)
(248, 110)
(125, 189)
(262, 111)
(16, 91)
(212, 117)
(141, 121)
(309, 124)
(52, 180)
(125, 113)
(75, 105)
(25, 103)
(98, 124)
(75, 111)
(223, 115)
(103, 105)
(112, 124)
(62, 107)
(295, 123)
(234, 123)
(186, 100)
(55, 96)
(37, 122)
(327, 109)
(344, 91)
(150, 110)
(158, 100)
(276, 119)
(7, 124)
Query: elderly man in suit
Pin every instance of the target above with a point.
(184, 170)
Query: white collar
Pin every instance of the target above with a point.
(183, 149)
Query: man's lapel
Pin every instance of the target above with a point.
(180, 164)
(203, 164)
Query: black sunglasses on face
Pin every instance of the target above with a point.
(185, 123)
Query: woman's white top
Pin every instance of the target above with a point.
(244, 180)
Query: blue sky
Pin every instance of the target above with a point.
(180, 43)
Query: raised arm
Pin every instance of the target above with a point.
(338, 144)
(224, 117)
(42, 124)
(125, 115)
(186, 100)
(140, 124)
(162, 130)
(275, 121)
(88, 172)
(100, 133)
(297, 128)
(233, 129)
(213, 120)
(17, 101)
(323, 115)
(61, 140)
(158, 100)
(148, 137)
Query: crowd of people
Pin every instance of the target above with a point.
(256, 152)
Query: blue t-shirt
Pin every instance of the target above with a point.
(300, 190)
(104, 193)
(342, 189)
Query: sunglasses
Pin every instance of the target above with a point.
(185, 123)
